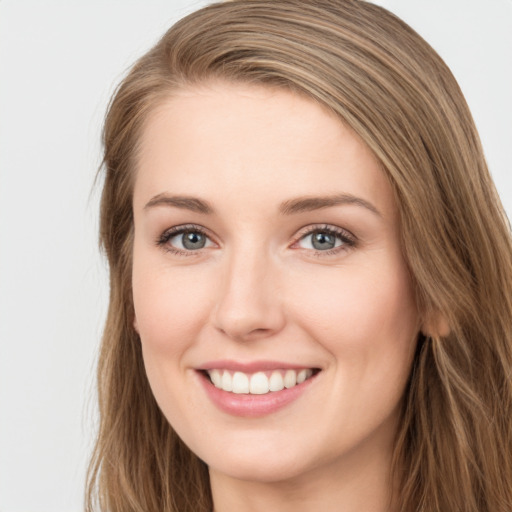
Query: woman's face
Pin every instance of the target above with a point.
(266, 250)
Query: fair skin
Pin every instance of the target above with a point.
(255, 277)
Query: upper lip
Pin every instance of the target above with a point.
(253, 366)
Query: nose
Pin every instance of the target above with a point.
(249, 303)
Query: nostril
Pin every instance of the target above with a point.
(248, 335)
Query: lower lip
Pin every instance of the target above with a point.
(247, 405)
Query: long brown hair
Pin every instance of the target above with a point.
(454, 446)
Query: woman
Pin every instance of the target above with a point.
(310, 273)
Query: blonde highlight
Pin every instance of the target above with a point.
(383, 80)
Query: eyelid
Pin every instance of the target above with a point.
(163, 239)
(349, 239)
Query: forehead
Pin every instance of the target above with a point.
(224, 139)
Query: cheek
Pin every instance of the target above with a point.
(364, 315)
(368, 322)
(170, 306)
(169, 315)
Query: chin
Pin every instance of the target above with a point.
(262, 471)
(260, 460)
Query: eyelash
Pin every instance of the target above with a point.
(163, 239)
(348, 241)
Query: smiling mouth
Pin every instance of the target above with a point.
(259, 383)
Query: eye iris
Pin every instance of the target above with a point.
(193, 240)
(323, 241)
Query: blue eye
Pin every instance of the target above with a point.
(323, 241)
(183, 239)
(190, 240)
(326, 239)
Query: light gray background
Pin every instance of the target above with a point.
(59, 62)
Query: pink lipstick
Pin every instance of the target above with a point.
(254, 389)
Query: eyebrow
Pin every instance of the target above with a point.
(290, 207)
(183, 202)
(308, 204)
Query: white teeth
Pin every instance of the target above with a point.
(301, 376)
(227, 382)
(240, 383)
(258, 383)
(276, 382)
(216, 378)
(290, 379)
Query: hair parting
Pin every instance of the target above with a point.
(454, 444)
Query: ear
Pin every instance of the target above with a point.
(436, 325)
